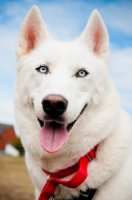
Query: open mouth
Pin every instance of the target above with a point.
(53, 135)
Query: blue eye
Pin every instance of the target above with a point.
(43, 69)
(81, 73)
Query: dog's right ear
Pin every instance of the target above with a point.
(32, 32)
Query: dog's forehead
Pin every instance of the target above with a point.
(65, 51)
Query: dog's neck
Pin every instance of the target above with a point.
(52, 163)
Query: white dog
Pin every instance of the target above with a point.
(66, 106)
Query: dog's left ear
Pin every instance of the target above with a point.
(32, 32)
(95, 35)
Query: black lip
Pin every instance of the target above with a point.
(69, 126)
(40, 122)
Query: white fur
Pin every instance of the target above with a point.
(103, 121)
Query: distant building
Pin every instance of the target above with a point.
(7, 138)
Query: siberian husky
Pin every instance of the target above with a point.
(66, 105)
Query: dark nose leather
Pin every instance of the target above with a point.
(54, 105)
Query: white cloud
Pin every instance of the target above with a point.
(6, 110)
(7, 49)
(118, 16)
(121, 71)
(121, 67)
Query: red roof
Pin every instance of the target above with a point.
(7, 135)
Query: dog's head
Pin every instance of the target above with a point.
(58, 82)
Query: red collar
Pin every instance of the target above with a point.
(80, 170)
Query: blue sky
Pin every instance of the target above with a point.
(66, 20)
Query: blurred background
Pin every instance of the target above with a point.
(65, 20)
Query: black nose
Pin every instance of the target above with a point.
(54, 105)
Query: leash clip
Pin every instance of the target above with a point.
(52, 197)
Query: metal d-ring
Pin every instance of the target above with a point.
(48, 177)
(58, 191)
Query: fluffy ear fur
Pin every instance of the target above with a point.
(32, 32)
(96, 36)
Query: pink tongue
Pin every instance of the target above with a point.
(53, 136)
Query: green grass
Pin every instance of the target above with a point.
(15, 183)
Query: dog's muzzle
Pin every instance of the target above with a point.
(54, 129)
